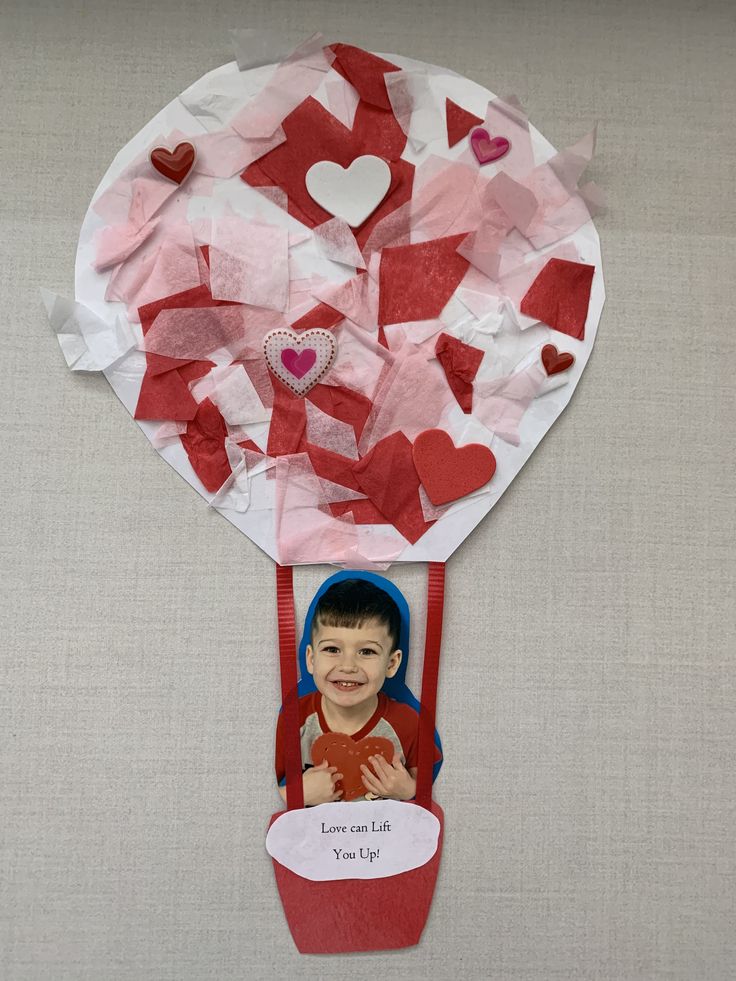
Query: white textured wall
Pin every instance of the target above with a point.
(588, 686)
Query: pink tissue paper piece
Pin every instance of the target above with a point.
(231, 390)
(412, 397)
(445, 201)
(414, 107)
(306, 531)
(115, 243)
(500, 403)
(194, 334)
(518, 203)
(418, 334)
(168, 433)
(249, 263)
(342, 100)
(361, 361)
(562, 208)
(357, 299)
(330, 433)
(225, 153)
(159, 270)
(294, 79)
(336, 241)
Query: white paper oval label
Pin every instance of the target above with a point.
(356, 840)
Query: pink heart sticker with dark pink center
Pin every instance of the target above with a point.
(486, 148)
(298, 364)
(299, 359)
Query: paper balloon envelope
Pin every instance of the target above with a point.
(199, 274)
(343, 393)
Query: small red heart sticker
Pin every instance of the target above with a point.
(174, 164)
(347, 754)
(449, 472)
(554, 362)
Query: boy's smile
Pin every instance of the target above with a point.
(350, 664)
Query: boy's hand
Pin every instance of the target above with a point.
(319, 784)
(389, 779)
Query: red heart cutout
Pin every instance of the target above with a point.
(347, 754)
(487, 149)
(174, 164)
(447, 471)
(554, 362)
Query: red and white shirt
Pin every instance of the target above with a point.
(393, 720)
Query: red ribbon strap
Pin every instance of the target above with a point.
(430, 674)
(289, 681)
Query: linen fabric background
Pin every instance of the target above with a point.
(587, 689)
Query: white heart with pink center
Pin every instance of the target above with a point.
(299, 360)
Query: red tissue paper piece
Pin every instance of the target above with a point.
(248, 444)
(288, 421)
(387, 476)
(165, 396)
(204, 442)
(343, 404)
(379, 132)
(449, 472)
(343, 916)
(560, 295)
(319, 316)
(347, 754)
(332, 466)
(174, 164)
(314, 134)
(365, 73)
(164, 393)
(554, 362)
(459, 122)
(416, 281)
(460, 362)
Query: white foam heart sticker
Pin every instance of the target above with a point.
(352, 193)
(299, 360)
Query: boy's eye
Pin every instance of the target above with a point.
(330, 650)
(368, 650)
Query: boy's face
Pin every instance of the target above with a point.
(349, 664)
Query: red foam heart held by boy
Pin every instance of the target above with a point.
(449, 472)
(347, 754)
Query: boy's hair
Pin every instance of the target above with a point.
(352, 602)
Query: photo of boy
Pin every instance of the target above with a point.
(353, 648)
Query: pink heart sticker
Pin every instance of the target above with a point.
(298, 364)
(487, 149)
(299, 360)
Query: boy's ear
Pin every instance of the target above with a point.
(310, 659)
(394, 661)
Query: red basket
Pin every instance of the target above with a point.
(347, 915)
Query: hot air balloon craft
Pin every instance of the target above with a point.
(345, 296)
